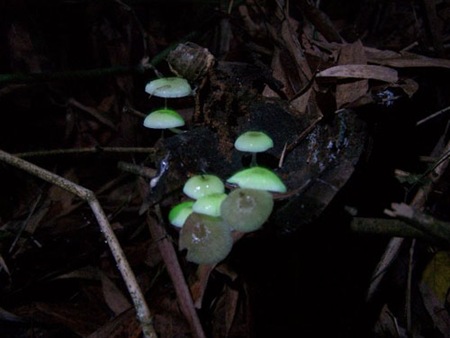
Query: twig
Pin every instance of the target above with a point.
(394, 245)
(68, 75)
(432, 116)
(387, 227)
(24, 224)
(91, 150)
(142, 310)
(176, 275)
(93, 112)
(137, 169)
(408, 300)
(421, 221)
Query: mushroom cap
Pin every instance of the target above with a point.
(209, 204)
(247, 209)
(163, 119)
(207, 239)
(202, 185)
(179, 213)
(169, 87)
(258, 178)
(253, 141)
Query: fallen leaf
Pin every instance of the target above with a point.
(435, 286)
(373, 72)
(87, 272)
(349, 92)
(4, 266)
(115, 299)
(403, 59)
(123, 325)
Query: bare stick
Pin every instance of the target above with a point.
(90, 150)
(421, 221)
(142, 310)
(176, 274)
(394, 245)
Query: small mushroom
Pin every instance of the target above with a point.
(253, 142)
(164, 119)
(258, 178)
(180, 212)
(209, 204)
(202, 185)
(246, 210)
(169, 87)
(207, 239)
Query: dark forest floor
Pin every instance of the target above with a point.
(356, 98)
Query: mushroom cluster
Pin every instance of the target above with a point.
(203, 233)
(209, 215)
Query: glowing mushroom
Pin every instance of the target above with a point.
(253, 142)
(169, 87)
(180, 212)
(207, 239)
(246, 210)
(209, 204)
(164, 119)
(202, 185)
(258, 178)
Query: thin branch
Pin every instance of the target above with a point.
(387, 227)
(93, 112)
(176, 275)
(432, 116)
(90, 150)
(394, 245)
(421, 221)
(137, 170)
(68, 75)
(142, 310)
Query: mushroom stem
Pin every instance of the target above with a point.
(253, 161)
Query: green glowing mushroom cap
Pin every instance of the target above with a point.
(169, 87)
(209, 204)
(207, 239)
(258, 178)
(179, 213)
(163, 119)
(253, 141)
(202, 185)
(246, 210)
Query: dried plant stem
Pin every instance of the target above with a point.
(90, 150)
(394, 245)
(142, 310)
(176, 275)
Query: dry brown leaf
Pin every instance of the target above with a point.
(409, 87)
(434, 287)
(115, 299)
(124, 325)
(87, 272)
(80, 319)
(3, 265)
(63, 198)
(373, 72)
(225, 312)
(277, 73)
(403, 59)
(350, 92)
